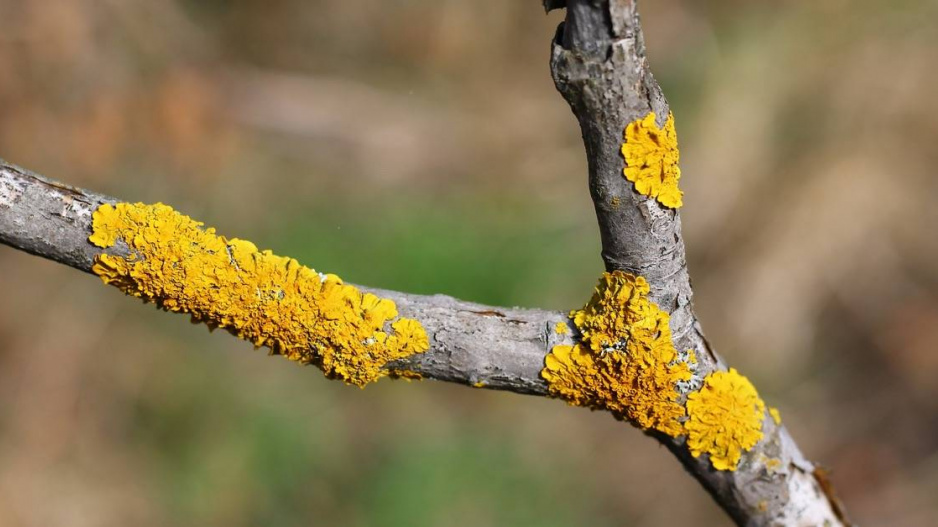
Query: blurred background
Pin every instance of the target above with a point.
(419, 145)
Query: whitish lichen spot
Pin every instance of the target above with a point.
(652, 159)
(724, 418)
(626, 362)
(269, 300)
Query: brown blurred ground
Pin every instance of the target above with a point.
(420, 145)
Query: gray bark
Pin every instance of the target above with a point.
(598, 65)
(501, 348)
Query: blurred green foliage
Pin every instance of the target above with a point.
(496, 250)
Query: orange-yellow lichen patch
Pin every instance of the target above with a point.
(772, 464)
(626, 362)
(266, 299)
(776, 416)
(724, 418)
(652, 159)
(406, 375)
(562, 328)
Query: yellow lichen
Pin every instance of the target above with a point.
(772, 464)
(407, 375)
(724, 418)
(626, 362)
(562, 328)
(266, 299)
(652, 159)
(776, 416)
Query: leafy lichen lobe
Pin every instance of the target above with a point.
(776, 415)
(652, 159)
(625, 362)
(561, 328)
(724, 418)
(269, 300)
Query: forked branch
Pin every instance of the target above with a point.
(598, 65)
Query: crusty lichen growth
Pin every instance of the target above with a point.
(652, 159)
(772, 464)
(561, 328)
(776, 415)
(724, 418)
(626, 362)
(266, 299)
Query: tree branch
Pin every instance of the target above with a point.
(598, 65)
(473, 344)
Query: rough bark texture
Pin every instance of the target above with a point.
(499, 348)
(598, 65)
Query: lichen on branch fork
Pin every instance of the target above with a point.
(269, 300)
(706, 415)
(625, 362)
